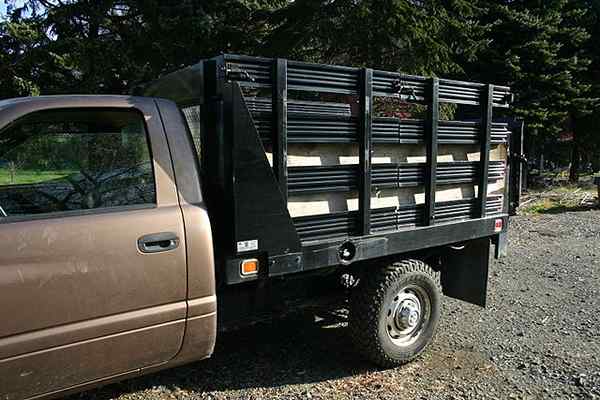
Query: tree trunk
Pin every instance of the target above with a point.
(595, 160)
(575, 156)
(574, 171)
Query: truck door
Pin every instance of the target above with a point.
(92, 257)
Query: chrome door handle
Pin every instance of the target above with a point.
(158, 242)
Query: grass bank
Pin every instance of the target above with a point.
(25, 177)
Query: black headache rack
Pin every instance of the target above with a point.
(244, 106)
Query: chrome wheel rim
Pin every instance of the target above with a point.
(407, 315)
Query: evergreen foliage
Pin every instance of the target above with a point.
(547, 50)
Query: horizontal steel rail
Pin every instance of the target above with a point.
(329, 226)
(263, 105)
(338, 129)
(320, 179)
(412, 131)
(255, 72)
(396, 218)
(344, 178)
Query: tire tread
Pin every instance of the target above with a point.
(365, 303)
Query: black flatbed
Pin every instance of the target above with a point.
(248, 197)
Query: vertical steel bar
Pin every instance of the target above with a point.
(487, 105)
(366, 123)
(220, 76)
(431, 131)
(222, 144)
(279, 114)
(218, 161)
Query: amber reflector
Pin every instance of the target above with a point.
(250, 266)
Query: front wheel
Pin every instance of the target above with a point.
(394, 312)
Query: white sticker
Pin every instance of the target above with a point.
(247, 245)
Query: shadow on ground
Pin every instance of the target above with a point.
(291, 351)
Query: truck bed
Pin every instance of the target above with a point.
(308, 166)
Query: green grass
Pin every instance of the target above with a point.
(540, 207)
(560, 199)
(25, 176)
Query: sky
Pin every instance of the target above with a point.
(3, 7)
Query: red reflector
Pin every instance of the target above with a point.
(498, 225)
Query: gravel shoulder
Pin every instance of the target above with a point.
(539, 338)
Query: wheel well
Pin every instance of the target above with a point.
(431, 257)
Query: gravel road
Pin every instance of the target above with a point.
(539, 338)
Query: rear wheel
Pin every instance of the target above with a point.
(394, 312)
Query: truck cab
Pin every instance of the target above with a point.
(106, 260)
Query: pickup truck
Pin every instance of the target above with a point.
(133, 229)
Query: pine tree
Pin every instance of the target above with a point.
(110, 46)
(419, 37)
(22, 60)
(536, 47)
(586, 140)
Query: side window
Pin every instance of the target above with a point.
(66, 160)
(192, 117)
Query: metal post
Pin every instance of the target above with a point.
(219, 159)
(279, 107)
(366, 123)
(514, 167)
(431, 131)
(487, 105)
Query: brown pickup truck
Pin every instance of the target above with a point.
(133, 229)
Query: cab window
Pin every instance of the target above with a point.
(193, 119)
(68, 160)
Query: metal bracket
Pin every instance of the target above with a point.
(519, 157)
(285, 264)
(237, 75)
(401, 89)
